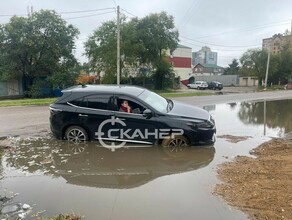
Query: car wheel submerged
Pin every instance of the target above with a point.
(76, 134)
(176, 143)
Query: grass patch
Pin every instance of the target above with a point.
(23, 102)
(47, 101)
(270, 88)
(184, 94)
(164, 91)
(64, 217)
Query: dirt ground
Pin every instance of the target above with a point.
(261, 186)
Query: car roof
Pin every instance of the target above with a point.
(79, 91)
(121, 89)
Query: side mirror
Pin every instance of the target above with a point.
(147, 113)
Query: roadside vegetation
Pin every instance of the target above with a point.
(48, 101)
(23, 102)
(183, 94)
(64, 217)
(38, 50)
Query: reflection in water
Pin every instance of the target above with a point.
(232, 105)
(273, 114)
(1, 168)
(209, 108)
(91, 165)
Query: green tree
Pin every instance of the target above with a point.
(233, 68)
(143, 43)
(283, 72)
(254, 63)
(101, 48)
(39, 46)
(164, 75)
(157, 32)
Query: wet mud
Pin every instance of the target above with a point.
(260, 186)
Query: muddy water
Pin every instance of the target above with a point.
(138, 182)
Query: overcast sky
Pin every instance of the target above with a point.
(228, 27)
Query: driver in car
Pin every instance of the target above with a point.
(125, 107)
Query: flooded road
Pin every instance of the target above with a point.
(138, 182)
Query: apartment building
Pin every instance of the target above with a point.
(275, 43)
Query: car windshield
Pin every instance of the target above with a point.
(156, 101)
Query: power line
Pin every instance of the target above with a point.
(195, 5)
(129, 12)
(247, 29)
(115, 3)
(13, 15)
(86, 16)
(85, 11)
(64, 12)
(218, 45)
(216, 49)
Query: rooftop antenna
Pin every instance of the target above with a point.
(28, 11)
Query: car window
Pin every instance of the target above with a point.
(79, 102)
(136, 108)
(94, 101)
(156, 101)
(97, 101)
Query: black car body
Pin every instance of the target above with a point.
(215, 85)
(81, 111)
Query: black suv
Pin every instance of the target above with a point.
(215, 85)
(95, 112)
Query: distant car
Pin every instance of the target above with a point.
(198, 85)
(215, 85)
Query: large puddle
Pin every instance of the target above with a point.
(138, 182)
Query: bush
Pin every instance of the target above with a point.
(40, 88)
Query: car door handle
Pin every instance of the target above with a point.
(81, 115)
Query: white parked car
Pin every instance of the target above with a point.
(198, 85)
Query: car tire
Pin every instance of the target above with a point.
(76, 134)
(176, 144)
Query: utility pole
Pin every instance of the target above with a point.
(267, 69)
(118, 46)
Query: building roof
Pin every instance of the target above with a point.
(183, 46)
(209, 65)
